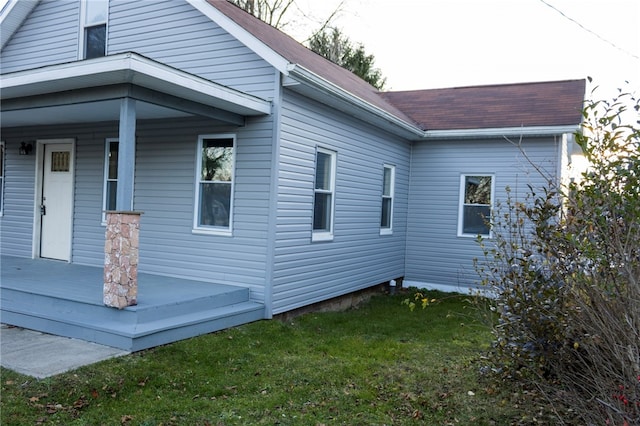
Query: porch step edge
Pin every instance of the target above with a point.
(134, 337)
(52, 306)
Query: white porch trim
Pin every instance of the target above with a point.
(134, 69)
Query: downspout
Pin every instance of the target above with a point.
(563, 160)
(408, 209)
(276, 113)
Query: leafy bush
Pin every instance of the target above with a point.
(564, 267)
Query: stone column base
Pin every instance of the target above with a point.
(121, 259)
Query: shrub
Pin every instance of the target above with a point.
(564, 267)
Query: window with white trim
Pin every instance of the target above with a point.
(1, 178)
(94, 15)
(324, 195)
(388, 189)
(110, 187)
(476, 202)
(214, 184)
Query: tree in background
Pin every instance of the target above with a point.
(270, 11)
(336, 47)
(328, 41)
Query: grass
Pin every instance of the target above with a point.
(379, 364)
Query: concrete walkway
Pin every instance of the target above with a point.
(43, 355)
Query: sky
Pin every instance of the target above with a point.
(422, 44)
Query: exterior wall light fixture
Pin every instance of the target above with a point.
(25, 148)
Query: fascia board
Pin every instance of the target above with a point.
(242, 35)
(355, 105)
(129, 68)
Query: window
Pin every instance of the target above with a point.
(60, 161)
(324, 189)
(1, 178)
(388, 183)
(476, 195)
(110, 176)
(94, 28)
(214, 184)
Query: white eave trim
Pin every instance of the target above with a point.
(130, 68)
(500, 132)
(384, 119)
(242, 35)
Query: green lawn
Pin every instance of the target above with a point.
(375, 365)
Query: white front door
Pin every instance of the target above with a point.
(56, 202)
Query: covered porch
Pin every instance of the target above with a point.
(67, 300)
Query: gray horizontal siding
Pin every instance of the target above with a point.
(88, 233)
(16, 223)
(435, 254)
(164, 192)
(306, 272)
(169, 31)
(165, 173)
(48, 36)
(174, 33)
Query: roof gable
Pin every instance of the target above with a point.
(296, 54)
(557, 103)
(12, 15)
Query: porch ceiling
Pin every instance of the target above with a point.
(90, 90)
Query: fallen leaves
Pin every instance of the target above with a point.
(50, 408)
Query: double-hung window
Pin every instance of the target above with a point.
(214, 184)
(324, 195)
(110, 187)
(94, 28)
(388, 184)
(476, 198)
(1, 178)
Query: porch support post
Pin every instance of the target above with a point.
(126, 154)
(123, 225)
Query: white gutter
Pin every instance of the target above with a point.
(408, 130)
(500, 132)
(302, 75)
(129, 68)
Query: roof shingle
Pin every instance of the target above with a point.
(296, 53)
(556, 103)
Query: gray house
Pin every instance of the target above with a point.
(259, 177)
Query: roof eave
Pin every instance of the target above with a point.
(486, 133)
(324, 91)
(242, 35)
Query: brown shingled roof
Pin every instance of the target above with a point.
(296, 53)
(556, 103)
